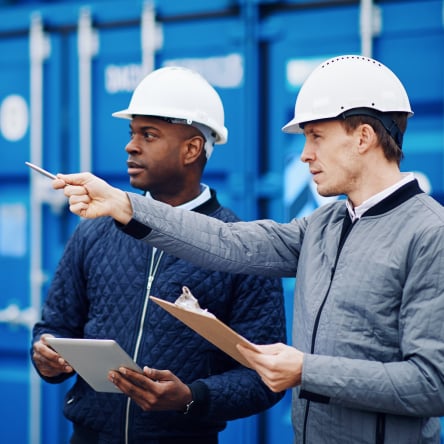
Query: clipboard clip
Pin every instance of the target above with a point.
(187, 301)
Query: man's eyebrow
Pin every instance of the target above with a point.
(313, 128)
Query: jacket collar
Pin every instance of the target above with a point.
(210, 206)
(395, 199)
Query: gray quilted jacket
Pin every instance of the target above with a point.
(368, 310)
(99, 290)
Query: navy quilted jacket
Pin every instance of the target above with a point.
(100, 290)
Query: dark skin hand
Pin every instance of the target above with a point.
(152, 390)
(49, 362)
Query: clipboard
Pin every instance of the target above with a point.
(92, 359)
(211, 328)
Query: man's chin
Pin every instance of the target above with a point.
(324, 192)
(137, 184)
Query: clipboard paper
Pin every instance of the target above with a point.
(212, 329)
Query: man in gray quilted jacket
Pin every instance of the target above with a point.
(367, 361)
(101, 288)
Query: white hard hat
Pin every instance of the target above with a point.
(182, 95)
(349, 82)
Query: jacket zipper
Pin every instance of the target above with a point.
(344, 235)
(154, 265)
(313, 340)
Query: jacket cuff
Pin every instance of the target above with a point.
(134, 228)
(200, 394)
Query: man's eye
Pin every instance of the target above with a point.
(148, 135)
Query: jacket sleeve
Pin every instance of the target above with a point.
(414, 385)
(262, 247)
(65, 309)
(258, 314)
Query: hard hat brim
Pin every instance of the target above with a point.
(123, 114)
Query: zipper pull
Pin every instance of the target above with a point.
(150, 282)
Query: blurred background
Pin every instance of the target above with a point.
(65, 66)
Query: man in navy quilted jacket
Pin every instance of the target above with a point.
(101, 288)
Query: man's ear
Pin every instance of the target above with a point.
(367, 137)
(193, 148)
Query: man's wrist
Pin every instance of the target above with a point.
(121, 210)
(200, 399)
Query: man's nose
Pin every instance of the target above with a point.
(307, 154)
(132, 146)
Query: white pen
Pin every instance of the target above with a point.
(41, 170)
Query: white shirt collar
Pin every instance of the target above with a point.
(357, 212)
(205, 195)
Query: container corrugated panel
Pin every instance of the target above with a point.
(14, 261)
(411, 42)
(17, 225)
(14, 107)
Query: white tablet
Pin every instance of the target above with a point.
(92, 359)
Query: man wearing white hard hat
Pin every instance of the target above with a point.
(189, 389)
(367, 361)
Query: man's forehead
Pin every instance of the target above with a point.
(152, 122)
(320, 125)
(163, 125)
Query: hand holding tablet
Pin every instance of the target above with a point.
(92, 359)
